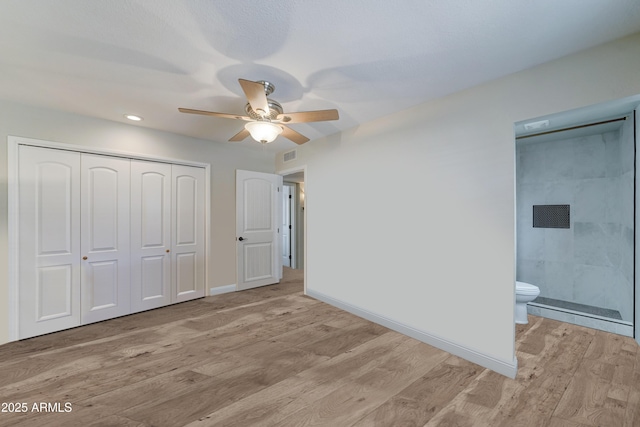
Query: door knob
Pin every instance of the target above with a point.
(241, 238)
(84, 258)
(168, 251)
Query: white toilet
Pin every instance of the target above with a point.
(525, 292)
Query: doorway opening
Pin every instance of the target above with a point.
(584, 161)
(293, 220)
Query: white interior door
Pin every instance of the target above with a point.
(104, 231)
(49, 242)
(258, 211)
(188, 232)
(150, 235)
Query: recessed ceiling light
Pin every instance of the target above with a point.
(133, 117)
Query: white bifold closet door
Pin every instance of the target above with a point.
(167, 234)
(187, 232)
(49, 241)
(104, 236)
(150, 235)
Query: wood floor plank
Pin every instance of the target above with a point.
(224, 388)
(357, 398)
(80, 416)
(342, 340)
(271, 356)
(421, 400)
(598, 392)
(559, 422)
(632, 413)
(547, 376)
(270, 406)
(471, 403)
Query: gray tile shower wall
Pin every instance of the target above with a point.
(591, 262)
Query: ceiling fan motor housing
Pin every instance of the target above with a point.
(268, 87)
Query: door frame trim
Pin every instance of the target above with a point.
(293, 234)
(303, 169)
(13, 144)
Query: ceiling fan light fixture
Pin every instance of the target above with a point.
(263, 132)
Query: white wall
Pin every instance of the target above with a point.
(57, 126)
(424, 238)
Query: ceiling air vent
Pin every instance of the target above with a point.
(289, 155)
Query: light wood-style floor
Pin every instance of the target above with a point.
(272, 356)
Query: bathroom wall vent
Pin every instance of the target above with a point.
(551, 216)
(289, 155)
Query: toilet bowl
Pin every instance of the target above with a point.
(525, 292)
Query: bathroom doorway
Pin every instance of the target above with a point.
(576, 214)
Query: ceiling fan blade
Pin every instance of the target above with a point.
(256, 96)
(239, 136)
(293, 135)
(308, 116)
(214, 114)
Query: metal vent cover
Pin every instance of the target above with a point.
(551, 216)
(289, 155)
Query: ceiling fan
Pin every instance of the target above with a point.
(265, 116)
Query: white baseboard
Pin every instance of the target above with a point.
(507, 369)
(222, 290)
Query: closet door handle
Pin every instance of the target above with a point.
(168, 251)
(241, 238)
(84, 258)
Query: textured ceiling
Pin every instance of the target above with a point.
(366, 58)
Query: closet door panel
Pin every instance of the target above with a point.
(49, 241)
(186, 273)
(150, 235)
(188, 232)
(104, 234)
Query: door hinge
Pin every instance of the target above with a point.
(289, 227)
(290, 196)
(289, 256)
